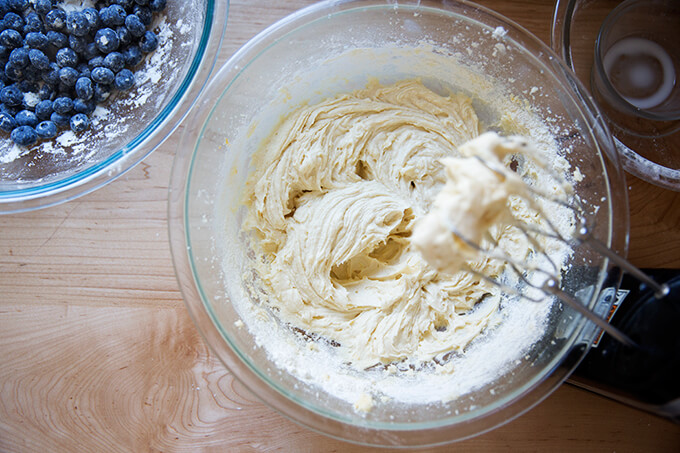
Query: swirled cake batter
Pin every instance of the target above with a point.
(333, 200)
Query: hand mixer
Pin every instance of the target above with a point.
(640, 373)
(488, 150)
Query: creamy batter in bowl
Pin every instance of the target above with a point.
(515, 85)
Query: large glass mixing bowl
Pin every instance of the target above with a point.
(130, 125)
(335, 47)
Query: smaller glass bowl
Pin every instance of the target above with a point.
(128, 126)
(609, 42)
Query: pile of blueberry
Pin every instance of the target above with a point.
(57, 64)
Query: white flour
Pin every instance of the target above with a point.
(76, 5)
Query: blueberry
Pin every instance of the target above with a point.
(127, 4)
(103, 75)
(37, 40)
(125, 80)
(133, 56)
(43, 109)
(14, 72)
(51, 76)
(104, 15)
(148, 42)
(84, 70)
(114, 61)
(33, 23)
(27, 86)
(63, 105)
(46, 129)
(4, 51)
(60, 120)
(11, 96)
(124, 35)
(57, 39)
(7, 122)
(4, 108)
(33, 75)
(43, 7)
(79, 122)
(92, 16)
(56, 19)
(85, 107)
(24, 136)
(66, 57)
(77, 23)
(157, 5)
(68, 76)
(91, 51)
(96, 61)
(118, 14)
(134, 25)
(144, 14)
(11, 38)
(78, 43)
(112, 16)
(14, 21)
(4, 6)
(106, 40)
(19, 57)
(18, 5)
(45, 92)
(84, 88)
(142, 2)
(11, 111)
(101, 92)
(39, 59)
(8, 110)
(26, 118)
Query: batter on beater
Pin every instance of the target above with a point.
(477, 199)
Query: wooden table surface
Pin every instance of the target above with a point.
(98, 353)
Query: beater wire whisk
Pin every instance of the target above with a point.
(550, 284)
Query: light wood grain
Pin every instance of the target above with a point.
(98, 352)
